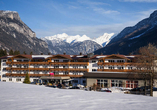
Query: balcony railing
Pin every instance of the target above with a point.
(115, 70)
(39, 75)
(78, 69)
(79, 63)
(115, 63)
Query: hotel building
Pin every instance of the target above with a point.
(102, 70)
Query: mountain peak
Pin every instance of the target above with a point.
(9, 14)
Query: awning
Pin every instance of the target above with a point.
(50, 77)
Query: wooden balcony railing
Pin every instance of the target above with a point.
(115, 63)
(115, 70)
(39, 63)
(8, 68)
(59, 63)
(39, 69)
(59, 69)
(78, 69)
(39, 75)
(79, 63)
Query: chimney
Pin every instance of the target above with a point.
(49, 53)
(80, 53)
(101, 53)
(64, 53)
(41, 53)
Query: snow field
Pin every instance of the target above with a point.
(19, 96)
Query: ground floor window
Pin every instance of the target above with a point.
(132, 84)
(116, 83)
(10, 79)
(102, 83)
(18, 79)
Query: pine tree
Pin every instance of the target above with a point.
(31, 53)
(24, 53)
(11, 52)
(27, 79)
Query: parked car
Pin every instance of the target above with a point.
(106, 91)
(74, 87)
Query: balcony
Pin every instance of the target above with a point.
(39, 69)
(39, 63)
(115, 63)
(115, 70)
(79, 63)
(17, 63)
(59, 69)
(39, 75)
(78, 69)
(59, 63)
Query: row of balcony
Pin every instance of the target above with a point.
(115, 63)
(115, 70)
(38, 75)
(48, 69)
(51, 63)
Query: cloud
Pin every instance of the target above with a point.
(138, 0)
(103, 11)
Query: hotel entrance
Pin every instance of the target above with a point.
(55, 80)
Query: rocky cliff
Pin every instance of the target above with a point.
(16, 35)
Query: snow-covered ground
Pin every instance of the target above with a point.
(18, 96)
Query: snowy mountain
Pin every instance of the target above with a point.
(75, 44)
(132, 38)
(102, 40)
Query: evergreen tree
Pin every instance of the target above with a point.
(11, 52)
(27, 79)
(16, 52)
(24, 53)
(31, 53)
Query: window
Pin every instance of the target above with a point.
(120, 67)
(120, 61)
(25, 66)
(102, 83)
(94, 69)
(111, 67)
(93, 61)
(132, 84)
(75, 81)
(101, 61)
(25, 60)
(75, 66)
(18, 66)
(56, 73)
(4, 60)
(65, 73)
(130, 68)
(19, 60)
(18, 79)
(65, 60)
(56, 60)
(111, 61)
(84, 81)
(10, 79)
(116, 83)
(4, 69)
(56, 66)
(84, 66)
(101, 67)
(75, 74)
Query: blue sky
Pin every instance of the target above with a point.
(89, 17)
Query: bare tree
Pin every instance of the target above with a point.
(146, 64)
